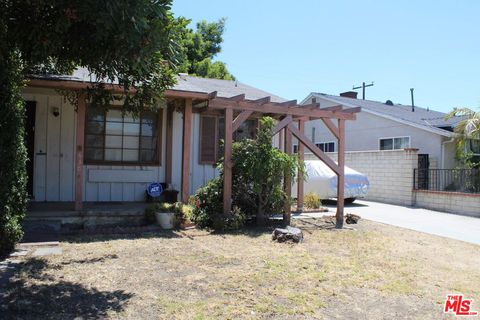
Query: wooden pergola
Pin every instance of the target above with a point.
(286, 113)
(236, 110)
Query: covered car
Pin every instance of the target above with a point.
(322, 180)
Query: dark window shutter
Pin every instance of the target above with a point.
(208, 139)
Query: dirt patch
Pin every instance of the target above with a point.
(373, 272)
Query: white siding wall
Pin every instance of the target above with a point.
(364, 133)
(54, 146)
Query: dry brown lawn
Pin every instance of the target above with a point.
(373, 272)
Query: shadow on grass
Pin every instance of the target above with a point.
(36, 295)
(99, 237)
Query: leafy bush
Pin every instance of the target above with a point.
(208, 209)
(13, 156)
(312, 200)
(257, 183)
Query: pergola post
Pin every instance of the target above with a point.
(79, 151)
(227, 162)
(287, 179)
(301, 158)
(187, 137)
(340, 174)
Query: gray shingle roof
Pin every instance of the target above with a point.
(224, 88)
(421, 116)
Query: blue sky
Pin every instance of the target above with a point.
(291, 48)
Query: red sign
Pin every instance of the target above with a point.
(458, 305)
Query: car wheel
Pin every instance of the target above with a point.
(349, 200)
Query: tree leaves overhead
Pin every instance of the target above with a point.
(129, 41)
(197, 49)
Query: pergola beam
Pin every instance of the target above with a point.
(333, 108)
(240, 97)
(275, 108)
(331, 126)
(313, 148)
(352, 110)
(262, 101)
(289, 103)
(240, 119)
(282, 124)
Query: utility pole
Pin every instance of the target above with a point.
(413, 104)
(363, 86)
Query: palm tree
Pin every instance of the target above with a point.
(468, 130)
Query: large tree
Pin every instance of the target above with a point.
(197, 49)
(129, 41)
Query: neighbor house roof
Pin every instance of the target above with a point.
(224, 88)
(426, 119)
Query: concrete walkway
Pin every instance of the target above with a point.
(438, 223)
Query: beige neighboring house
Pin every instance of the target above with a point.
(388, 126)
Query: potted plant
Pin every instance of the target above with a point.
(169, 215)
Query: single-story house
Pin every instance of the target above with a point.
(389, 126)
(80, 154)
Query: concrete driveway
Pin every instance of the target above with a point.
(438, 223)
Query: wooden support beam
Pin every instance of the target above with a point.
(239, 97)
(333, 108)
(331, 126)
(290, 103)
(169, 145)
(300, 180)
(275, 108)
(312, 147)
(312, 106)
(212, 95)
(262, 101)
(352, 110)
(341, 175)
(282, 124)
(281, 138)
(187, 137)
(79, 151)
(287, 180)
(227, 162)
(240, 119)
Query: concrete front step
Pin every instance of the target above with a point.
(50, 225)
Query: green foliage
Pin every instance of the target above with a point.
(129, 41)
(257, 181)
(208, 210)
(197, 49)
(467, 129)
(13, 195)
(312, 200)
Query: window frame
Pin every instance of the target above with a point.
(324, 144)
(393, 142)
(158, 152)
(217, 137)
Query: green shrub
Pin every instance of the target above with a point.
(312, 201)
(208, 210)
(13, 156)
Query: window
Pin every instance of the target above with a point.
(212, 130)
(326, 146)
(295, 148)
(473, 145)
(394, 143)
(111, 137)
